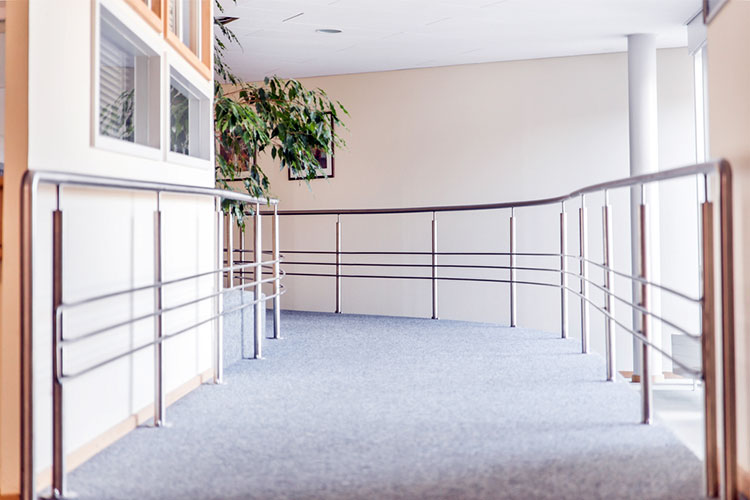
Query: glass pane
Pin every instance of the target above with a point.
(116, 85)
(180, 119)
(190, 23)
(172, 16)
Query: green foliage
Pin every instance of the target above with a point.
(179, 121)
(278, 117)
(116, 118)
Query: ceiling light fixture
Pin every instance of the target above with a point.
(330, 31)
(226, 19)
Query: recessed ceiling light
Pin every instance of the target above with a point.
(328, 30)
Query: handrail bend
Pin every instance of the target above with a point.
(717, 386)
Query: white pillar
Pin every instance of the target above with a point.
(644, 158)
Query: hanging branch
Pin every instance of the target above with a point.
(279, 117)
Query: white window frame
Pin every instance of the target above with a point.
(202, 90)
(147, 41)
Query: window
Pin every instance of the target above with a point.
(189, 119)
(128, 85)
(188, 28)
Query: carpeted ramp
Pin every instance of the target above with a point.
(365, 407)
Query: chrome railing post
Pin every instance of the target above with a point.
(646, 390)
(258, 274)
(584, 285)
(160, 418)
(708, 339)
(434, 266)
(229, 230)
(609, 284)
(338, 264)
(219, 300)
(242, 279)
(58, 419)
(512, 267)
(563, 272)
(276, 275)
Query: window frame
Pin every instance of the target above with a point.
(151, 13)
(179, 67)
(148, 41)
(203, 63)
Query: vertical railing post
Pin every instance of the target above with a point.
(229, 230)
(434, 266)
(276, 275)
(258, 274)
(708, 339)
(219, 299)
(512, 267)
(159, 397)
(58, 426)
(338, 264)
(242, 279)
(563, 272)
(584, 284)
(646, 389)
(609, 285)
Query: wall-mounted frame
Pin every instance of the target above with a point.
(711, 8)
(324, 171)
(326, 163)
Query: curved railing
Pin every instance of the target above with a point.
(61, 341)
(717, 385)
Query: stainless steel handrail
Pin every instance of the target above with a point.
(701, 168)
(719, 170)
(30, 186)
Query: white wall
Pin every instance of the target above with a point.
(480, 134)
(729, 116)
(108, 241)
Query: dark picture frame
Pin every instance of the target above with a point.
(326, 162)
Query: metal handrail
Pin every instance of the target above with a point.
(641, 283)
(29, 194)
(637, 180)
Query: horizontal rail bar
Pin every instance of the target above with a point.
(442, 278)
(448, 266)
(519, 268)
(640, 280)
(703, 168)
(333, 252)
(90, 300)
(691, 370)
(163, 310)
(163, 338)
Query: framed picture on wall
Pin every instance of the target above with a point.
(711, 8)
(325, 168)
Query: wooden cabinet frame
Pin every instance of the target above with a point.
(157, 17)
(152, 15)
(202, 64)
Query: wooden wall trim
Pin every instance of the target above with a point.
(120, 430)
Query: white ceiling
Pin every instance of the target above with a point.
(380, 35)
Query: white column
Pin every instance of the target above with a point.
(644, 158)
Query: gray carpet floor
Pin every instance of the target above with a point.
(364, 407)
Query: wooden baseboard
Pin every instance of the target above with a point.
(14, 496)
(664, 376)
(110, 436)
